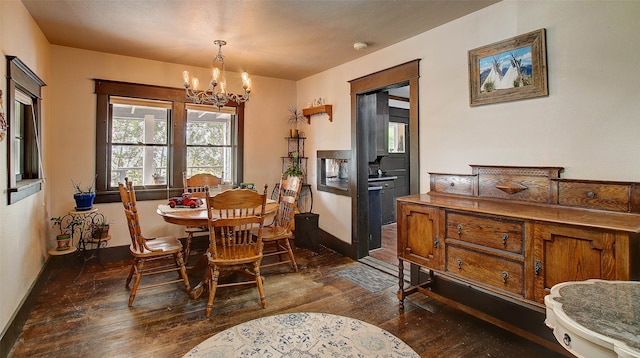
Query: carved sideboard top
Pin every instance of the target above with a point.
(541, 185)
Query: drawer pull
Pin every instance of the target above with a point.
(460, 264)
(505, 237)
(567, 340)
(436, 242)
(505, 276)
(452, 183)
(459, 229)
(591, 195)
(537, 267)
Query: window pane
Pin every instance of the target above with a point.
(18, 140)
(214, 160)
(129, 161)
(208, 128)
(396, 137)
(126, 161)
(139, 124)
(209, 142)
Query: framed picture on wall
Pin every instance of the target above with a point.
(509, 70)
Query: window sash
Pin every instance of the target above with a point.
(23, 114)
(137, 153)
(211, 151)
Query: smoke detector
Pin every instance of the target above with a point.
(360, 46)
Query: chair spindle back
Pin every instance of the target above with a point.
(196, 184)
(232, 216)
(290, 187)
(128, 197)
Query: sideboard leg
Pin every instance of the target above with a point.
(401, 294)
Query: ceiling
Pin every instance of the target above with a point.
(288, 39)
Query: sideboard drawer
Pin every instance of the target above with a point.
(496, 233)
(595, 195)
(452, 184)
(494, 271)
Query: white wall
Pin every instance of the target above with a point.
(588, 124)
(74, 112)
(22, 225)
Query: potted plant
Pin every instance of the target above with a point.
(295, 116)
(100, 229)
(83, 196)
(65, 231)
(293, 171)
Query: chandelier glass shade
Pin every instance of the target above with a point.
(216, 94)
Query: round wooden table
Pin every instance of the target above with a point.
(198, 217)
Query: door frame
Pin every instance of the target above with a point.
(401, 75)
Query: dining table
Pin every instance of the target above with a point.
(198, 217)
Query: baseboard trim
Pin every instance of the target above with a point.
(329, 241)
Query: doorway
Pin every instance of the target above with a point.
(405, 75)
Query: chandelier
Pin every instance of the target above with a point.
(216, 94)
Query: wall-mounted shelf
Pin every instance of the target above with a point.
(326, 108)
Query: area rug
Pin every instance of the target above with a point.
(303, 335)
(368, 277)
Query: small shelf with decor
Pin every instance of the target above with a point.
(323, 109)
(295, 156)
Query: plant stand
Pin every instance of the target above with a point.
(295, 145)
(87, 247)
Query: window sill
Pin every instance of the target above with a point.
(24, 188)
(141, 195)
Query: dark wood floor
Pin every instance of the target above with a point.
(387, 252)
(90, 318)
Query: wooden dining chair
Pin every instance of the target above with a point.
(165, 253)
(277, 235)
(196, 185)
(233, 216)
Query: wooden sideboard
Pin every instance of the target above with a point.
(514, 232)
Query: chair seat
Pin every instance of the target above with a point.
(237, 255)
(166, 244)
(274, 232)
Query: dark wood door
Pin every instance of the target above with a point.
(566, 253)
(419, 235)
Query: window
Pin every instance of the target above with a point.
(139, 147)
(396, 137)
(24, 159)
(150, 135)
(210, 137)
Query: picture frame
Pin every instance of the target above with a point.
(509, 70)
